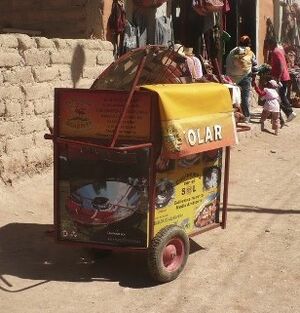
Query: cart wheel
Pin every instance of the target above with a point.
(168, 253)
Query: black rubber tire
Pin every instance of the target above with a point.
(156, 267)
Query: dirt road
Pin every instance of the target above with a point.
(252, 266)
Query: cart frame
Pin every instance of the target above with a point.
(112, 145)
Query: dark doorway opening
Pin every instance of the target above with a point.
(230, 25)
(239, 21)
(247, 20)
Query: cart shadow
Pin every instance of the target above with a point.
(27, 252)
(259, 210)
(195, 247)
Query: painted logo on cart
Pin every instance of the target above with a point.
(79, 119)
(200, 136)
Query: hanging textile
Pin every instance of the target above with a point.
(226, 6)
(269, 38)
(204, 7)
(130, 38)
(117, 18)
(163, 31)
(149, 3)
(289, 33)
(226, 9)
(116, 24)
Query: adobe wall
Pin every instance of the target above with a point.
(30, 69)
(56, 18)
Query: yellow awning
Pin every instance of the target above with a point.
(194, 117)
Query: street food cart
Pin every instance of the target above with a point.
(142, 169)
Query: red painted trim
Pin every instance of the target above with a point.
(126, 148)
(56, 166)
(155, 138)
(226, 185)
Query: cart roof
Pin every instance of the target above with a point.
(194, 117)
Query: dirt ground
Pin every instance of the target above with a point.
(252, 266)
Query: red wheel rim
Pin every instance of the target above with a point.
(173, 254)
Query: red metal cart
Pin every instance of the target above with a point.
(136, 169)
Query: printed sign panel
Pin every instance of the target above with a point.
(103, 195)
(188, 191)
(94, 114)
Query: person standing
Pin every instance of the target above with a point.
(281, 74)
(271, 105)
(241, 67)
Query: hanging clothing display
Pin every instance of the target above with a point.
(269, 38)
(130, 38)
(226, 9)
(142, 23)
(177, 22)
(149, 3)
(204, 7)
(163, 31)
(290, 24)
(116, 24)
(152, 30)
(117, 18)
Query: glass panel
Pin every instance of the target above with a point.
(103, 195)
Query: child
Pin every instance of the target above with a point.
(271, 105)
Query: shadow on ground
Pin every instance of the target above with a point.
(28, 252)
(253, 209)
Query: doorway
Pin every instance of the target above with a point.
(241, 20)
(246, 20)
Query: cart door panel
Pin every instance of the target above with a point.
(188, 191)
(102, 195)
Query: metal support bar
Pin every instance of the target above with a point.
(96, 145)
(128, 101)
(226, 185)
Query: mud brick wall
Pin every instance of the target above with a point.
(56, 18)
(30, 69)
